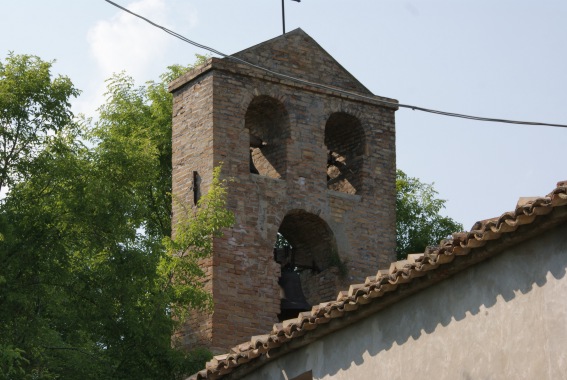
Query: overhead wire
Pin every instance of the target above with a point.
(329, 88)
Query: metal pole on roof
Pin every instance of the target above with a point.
(283, 14)
(283, 17)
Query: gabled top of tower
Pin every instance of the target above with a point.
(297, 54)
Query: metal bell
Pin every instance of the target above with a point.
(294, 300)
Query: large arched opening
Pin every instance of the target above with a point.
(307, 253)
(267, 122)
(345, 142)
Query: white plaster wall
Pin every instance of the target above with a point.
(505, 318)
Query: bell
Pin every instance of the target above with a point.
(294, 300)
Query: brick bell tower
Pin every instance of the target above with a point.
(314, 166)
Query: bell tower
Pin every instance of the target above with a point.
(313, 188)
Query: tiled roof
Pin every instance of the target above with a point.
(486, 238)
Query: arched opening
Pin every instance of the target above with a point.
(345, 142)
(267, 122)
(307, 252)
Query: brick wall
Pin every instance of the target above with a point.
(219, 109)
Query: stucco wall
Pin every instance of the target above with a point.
(501, 319)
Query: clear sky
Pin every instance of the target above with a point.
(502, 59)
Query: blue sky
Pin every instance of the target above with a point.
(503, 59)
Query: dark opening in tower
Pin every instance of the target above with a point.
(307, 252)
(267, 122)
(345, 142)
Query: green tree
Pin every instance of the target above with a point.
(87, 284)
(418, 222)
(33, 105)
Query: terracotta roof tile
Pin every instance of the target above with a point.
(437, 259)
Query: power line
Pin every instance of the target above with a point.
(322, 86)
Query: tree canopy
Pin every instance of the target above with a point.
(86, 281)
(418, 222)
(33, 106)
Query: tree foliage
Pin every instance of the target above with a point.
(33, 106)
(87, 284)
(418, 222)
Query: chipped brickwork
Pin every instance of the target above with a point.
(219, 109)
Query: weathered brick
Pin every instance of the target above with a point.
(219, 109)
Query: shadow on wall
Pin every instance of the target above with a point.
(499, 279)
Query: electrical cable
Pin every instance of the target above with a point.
(329, 88)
